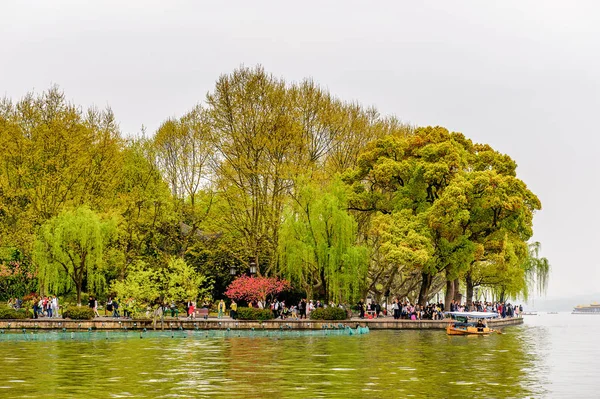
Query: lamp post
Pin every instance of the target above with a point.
(252, 267)
(232, 270)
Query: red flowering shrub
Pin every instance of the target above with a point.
(256, 288)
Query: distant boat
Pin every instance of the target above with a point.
(530, 313)
(552, 312)
(593, 308)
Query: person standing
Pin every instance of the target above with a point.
(302, 308)
(361, 309)
(396, 309)
(48, 306)
(233, 311)
(109, 306)
(34, 305)
(221, 308)
(192, 309)
(116, 308)
(54, 306)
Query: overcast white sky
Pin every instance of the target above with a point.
(523, 76)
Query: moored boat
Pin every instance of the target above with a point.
(470, 323)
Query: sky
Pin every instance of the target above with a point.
(522, 76)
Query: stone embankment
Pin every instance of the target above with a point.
(384, 323)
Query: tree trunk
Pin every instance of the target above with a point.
(469, 282)
(449, 294)
(425, 285)
(79, 294)
(457, 290)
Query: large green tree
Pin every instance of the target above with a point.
(69, 250)
(53, 156)
(318, 246)
(455, 194)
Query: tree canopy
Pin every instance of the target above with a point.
(340, 200)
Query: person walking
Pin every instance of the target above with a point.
(93, 304)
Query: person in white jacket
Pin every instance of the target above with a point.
(54, 306)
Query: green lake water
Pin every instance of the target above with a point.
(542, 358)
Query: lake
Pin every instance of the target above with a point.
(550, 356)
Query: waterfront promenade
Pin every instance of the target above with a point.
(109, 323)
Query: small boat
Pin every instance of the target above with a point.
(552, 312)
(530, 313)
(463, 323)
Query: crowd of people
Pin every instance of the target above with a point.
(435, 311)
(48, 306)
(43, 306)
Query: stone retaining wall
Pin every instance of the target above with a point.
(216, 324)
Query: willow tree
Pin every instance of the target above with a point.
(318, 246)
(69, 251)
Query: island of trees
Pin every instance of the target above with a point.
(281, 178)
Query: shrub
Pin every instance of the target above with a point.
(254, 314)
(329, 313)
(79, 313)
(8, 313)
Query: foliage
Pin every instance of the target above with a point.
(141, 284)
(53, 156)
(253, 289)
(69, 251)
(251, 176)
(329, 313)
(6, 313)
(16, 279)
(254, 314)
(78, 313)
(180, 282)
(174, 282)
(440, 203)
(318, 244)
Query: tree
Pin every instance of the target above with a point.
(141, 285)
(254, 138)
(145, 207)
(256, 288)
(182, 152)
(318, 245)
(53, 156)
(180, 282)
(174, 281)
(69, 251)
(459, 194)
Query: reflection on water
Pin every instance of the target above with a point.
(519, 363)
